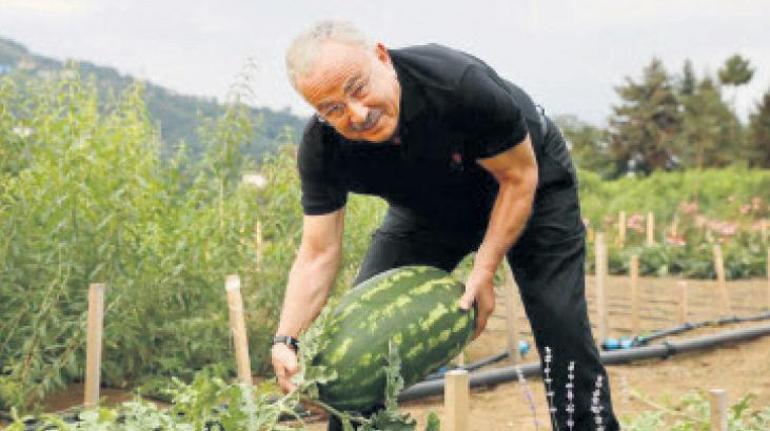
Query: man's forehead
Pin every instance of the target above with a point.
(336, 56)
(337, 67)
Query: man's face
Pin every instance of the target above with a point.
(355, 90)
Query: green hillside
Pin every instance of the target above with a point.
(177, 115)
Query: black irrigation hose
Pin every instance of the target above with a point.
(472, 366)
(664, 350)
(641, 340)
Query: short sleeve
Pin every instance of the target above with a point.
(322, 191)
(488, 114)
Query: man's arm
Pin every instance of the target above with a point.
(307, 290)
(516, 173)
(313, 271)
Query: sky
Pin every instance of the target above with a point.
(569, 55)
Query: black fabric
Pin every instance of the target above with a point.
(548, 265)
(454, 110)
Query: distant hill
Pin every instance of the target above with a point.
(178, 115)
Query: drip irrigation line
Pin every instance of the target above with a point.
(641, 340)
(472, 366)
(663, 350)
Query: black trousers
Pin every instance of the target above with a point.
(548, 265)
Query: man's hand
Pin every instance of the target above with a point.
(479, 288)
(285, 365)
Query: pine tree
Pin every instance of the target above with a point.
(708, 136)
(644, 126)
(737, 71)
(688, 81)
(759, 134)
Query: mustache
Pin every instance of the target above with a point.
(371, 118)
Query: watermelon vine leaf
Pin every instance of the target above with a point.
(432, 423)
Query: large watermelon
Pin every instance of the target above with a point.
(417, 308)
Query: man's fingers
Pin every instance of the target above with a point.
(286, 385)
(292, 368)
(481, 320)
(285, 365)
(290, 363)
(481, 323)
(466, 301)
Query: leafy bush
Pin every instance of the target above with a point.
(693, 210)
(693, 412)
(85, 197)
(719, 193)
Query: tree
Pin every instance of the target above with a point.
(588, 145)
(689, 81)
(736, 71)
(708, 136)
(758, 144)
(643, 127)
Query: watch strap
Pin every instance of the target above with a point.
(286, 339)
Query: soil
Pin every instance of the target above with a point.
(740, 369)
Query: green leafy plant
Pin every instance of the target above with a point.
(692, 413)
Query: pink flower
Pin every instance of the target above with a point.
(636, 222)
(745, 209)
(676, 240)
(724, 228)
(688, 208)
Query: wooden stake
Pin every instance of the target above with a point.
(718, 401)
(258, 245)
(682, 286)
(634, 270)
(238, 328)
(621, 229)
(719, 267)
(764, 230)
(460, 359)
(94, 344)
(768, 278)
(650, 229)
(457, 400)
(674, 226)
(511, 318)
(601, 282)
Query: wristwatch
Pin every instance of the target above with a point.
(288, 340)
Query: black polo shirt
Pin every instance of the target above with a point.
(454, 110)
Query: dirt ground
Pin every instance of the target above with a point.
(740, 369)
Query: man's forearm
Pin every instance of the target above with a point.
(307, 290)
(510, 213)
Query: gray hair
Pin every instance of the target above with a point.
(305, 48)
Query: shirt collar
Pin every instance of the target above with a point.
(411, 105)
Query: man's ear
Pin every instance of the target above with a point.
(382, 53)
